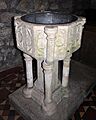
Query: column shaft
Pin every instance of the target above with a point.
(66, 68)
(29, 70)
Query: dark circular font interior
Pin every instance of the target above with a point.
(49, 18)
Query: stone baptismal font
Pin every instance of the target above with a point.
(48, 37)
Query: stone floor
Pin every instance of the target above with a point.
(12, 79)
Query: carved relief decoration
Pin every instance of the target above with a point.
(74, 39)
(29, 39)
(19, 34)
(60, 43)
(24, 37)
(40, 43)
(32, 39)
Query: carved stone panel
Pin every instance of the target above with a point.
(32, 39)
(39, 42)
(61, 43)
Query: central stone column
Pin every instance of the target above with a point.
(49, 105)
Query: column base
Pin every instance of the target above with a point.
(49, 108)
(65, 81)
(38, 96)
(27, 92)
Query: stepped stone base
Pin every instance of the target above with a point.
(81, 81)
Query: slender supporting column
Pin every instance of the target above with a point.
(40, 82)
(49, 106)
(48, 82)
(55, 82)
(29, 75)
(66, 68)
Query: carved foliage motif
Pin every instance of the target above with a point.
(73, 36)
(77, 38)
(79, 34)
(60, 43)
(23, 37)
(28, 40)
(32, 39)
(75, 33)
(19, 34)
(39, 42)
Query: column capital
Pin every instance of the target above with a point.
(51, 31)
(47, 66)
(27, 57)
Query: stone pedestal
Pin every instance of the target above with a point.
(81, 81)
(49, 37)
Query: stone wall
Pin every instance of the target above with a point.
(9, 55)
(63, 5)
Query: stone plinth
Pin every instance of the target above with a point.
(81, 81)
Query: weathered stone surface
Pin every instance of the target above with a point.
(7, 17)
(5, 31)
(61, 5)
(14, 3)
(8, 60)
(25, 5)
(9, 56)
(6, 36)
(41, 5)
(3, 4)
(54, 6)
